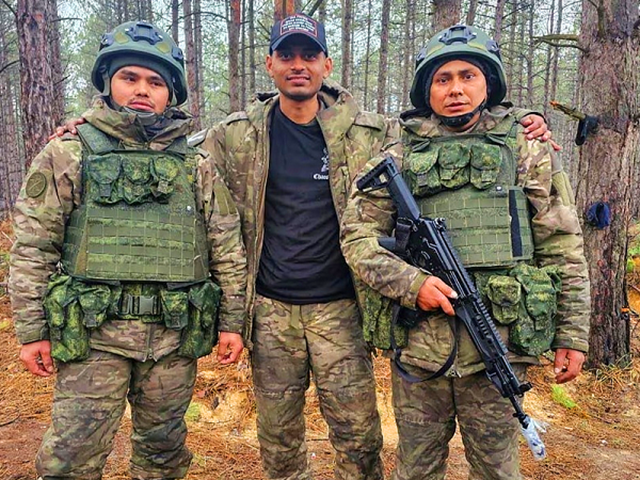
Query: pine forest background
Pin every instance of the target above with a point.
(584, 54)
(373, 44)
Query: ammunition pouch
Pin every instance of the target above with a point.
(201, 333)
(525, 299)
(74, 307)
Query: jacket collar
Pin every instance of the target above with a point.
(431, 126)
(340, 106)
(126, 127)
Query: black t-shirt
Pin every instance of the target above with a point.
(301, 261)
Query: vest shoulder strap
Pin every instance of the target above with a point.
(96, 141)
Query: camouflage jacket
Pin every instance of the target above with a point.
(556, 231)
(240, 147)
(41, 214)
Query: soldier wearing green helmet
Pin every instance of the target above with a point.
(128, 263)
(511, 216)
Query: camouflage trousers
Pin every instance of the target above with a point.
(89, 401)
(426, 416)
(290, 341)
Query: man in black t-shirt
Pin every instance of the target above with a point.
(289, 161)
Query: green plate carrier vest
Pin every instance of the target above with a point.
(138, 220)
(469, 180)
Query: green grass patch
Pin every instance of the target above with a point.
(634, 241)
(630, 266)
(561, 397)
(193, 412)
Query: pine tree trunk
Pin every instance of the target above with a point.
(347, 7)
(471, 14)
(11, 171)
(252, 48)
(550, 55)
(446, 13)
(190, 61)
(384, 52)
(55, 60)
(530, 54)
(175, 20)
(608, 162)
(38, 99)
(233, 28)
(497, 27)
(556, 54)
(367, 57)
(409, 48)
(243, 55)
(283, 8)
(197, 43)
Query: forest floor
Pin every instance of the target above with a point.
(594, 422)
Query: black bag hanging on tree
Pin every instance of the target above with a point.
(599, 215)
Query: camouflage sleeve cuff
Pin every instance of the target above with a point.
(409, 300)
(31, 336)
(230, 329)
(520, 113)
(231, 324)
(570, 343)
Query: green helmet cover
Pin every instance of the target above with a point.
(141, 39)
(454, 42)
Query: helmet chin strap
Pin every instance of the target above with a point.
(458, 121)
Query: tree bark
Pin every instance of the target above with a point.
(175, 20)
(497, 27)
(530, 53)
(283, 8)
(252, 48)
(446, 13)
(190, 62)
(243, 54)
(556, 53)
(347, 7)
(409, 52)
(471, 14)
(384, 52)
(367, 57)
(197, 43)
(233, 28)
(38, 98)
(608, 162)
(11, 168)
(549, 63)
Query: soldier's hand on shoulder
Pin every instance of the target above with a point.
(68, 127)
(536, 128)
(36, 356)
(435, 294)
(568, 364)
(229, 347)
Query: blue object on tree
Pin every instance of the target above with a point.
(599, 215)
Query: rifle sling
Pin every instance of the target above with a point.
(400, 368)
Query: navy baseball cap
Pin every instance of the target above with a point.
(298, 24)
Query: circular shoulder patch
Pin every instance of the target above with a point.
(36, 184)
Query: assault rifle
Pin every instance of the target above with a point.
(424, 243)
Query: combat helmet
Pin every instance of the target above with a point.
(450, 44)
(149, 45)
